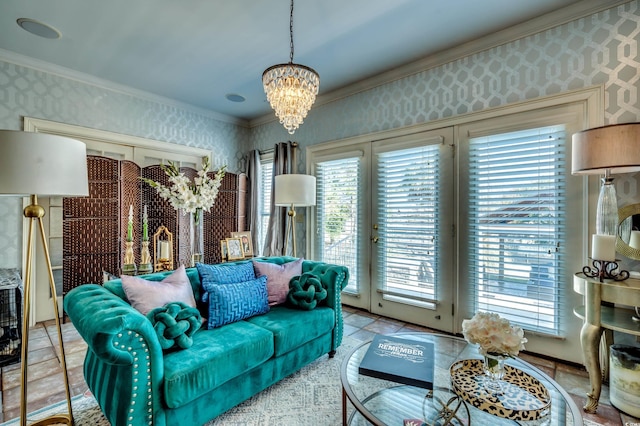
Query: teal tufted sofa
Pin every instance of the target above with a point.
(135, 383)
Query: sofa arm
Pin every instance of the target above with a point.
(124, 363)
(334, 278)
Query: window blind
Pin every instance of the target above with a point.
(266, 178)
(339, 214)
(517, 225)
(408, 182)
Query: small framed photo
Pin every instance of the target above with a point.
(245, 239)
(234, 249)
(224, 251)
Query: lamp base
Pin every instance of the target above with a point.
(34, 213)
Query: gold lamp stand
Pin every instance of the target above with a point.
(36, 212)
(291, 230)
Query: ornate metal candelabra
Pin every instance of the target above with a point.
(605, 270)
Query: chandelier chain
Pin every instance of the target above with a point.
(291, 33)
(291, 89)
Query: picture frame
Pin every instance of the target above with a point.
(224, 250)
(245, 239)
(234, 249)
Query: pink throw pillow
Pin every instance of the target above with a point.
(145, 295)
(278, 277)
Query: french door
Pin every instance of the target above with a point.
(380, 211)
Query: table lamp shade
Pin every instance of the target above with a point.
(42, 164)
(615, 148)
(297, 190)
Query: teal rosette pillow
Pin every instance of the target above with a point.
(175, 323)
(306, 291)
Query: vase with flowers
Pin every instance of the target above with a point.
(497, 340)
(192, 197)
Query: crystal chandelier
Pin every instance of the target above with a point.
(291, 88)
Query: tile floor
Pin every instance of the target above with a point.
(45, 376)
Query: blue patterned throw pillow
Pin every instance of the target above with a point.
(211, 275)
(236, 301)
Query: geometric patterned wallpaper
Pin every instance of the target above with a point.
(598, 50)
(25, 91)
(602, 49)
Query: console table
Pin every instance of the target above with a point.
(597, 317)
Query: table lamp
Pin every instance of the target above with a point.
(294, 190)
(33, 164)
(607, 150)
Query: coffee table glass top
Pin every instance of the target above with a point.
(383, 402)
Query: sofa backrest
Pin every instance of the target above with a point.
(115, 286)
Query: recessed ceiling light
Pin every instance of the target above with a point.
(38, 28)
(235, 98)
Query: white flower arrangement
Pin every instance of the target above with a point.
(495, 335)
(185, 195)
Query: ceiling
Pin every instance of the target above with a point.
(199, 51)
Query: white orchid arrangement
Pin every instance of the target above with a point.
(188, 196)
(495, 335)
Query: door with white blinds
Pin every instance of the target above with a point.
(412, 242)
(517, 223)
(342, 218)
(520, 224)
(380, 212)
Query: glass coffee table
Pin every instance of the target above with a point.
(383, 402)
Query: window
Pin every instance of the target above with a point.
(339, 222)
(517, 221)
(264, 200)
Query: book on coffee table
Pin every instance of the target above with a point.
(405, 361)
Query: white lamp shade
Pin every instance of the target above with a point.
(42, 164)
(299, 190)
(615, 147)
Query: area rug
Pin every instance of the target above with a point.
(312, 396)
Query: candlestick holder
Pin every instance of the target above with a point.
(163, 250)
(605, 270)
(129, 265)
(146, 266)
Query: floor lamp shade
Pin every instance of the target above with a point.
(293, 190)
(36, 164)
(41, 164)
(297, 190)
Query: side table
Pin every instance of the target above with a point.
(597, 317)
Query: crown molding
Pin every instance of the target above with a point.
(60, 71)
(573, 12)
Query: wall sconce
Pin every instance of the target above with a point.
(163, 250)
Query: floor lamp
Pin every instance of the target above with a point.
(33, 164)
(293, 190)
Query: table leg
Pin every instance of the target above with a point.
(590, 340)
(344, 408)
